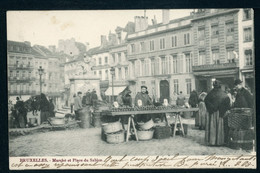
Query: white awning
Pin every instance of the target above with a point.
(117, 90)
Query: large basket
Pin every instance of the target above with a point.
(145, 126)
(162, 132)
(240, 118)
(145, 134)
(96, 119)
(112, 127)
(57, 121)
(115, 138)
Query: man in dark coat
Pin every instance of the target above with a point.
(21, 113)
(52, 108)
(244, 99)
(44, 107)
(94, 98)
(127, 99)
(193, 100)
(217, 103)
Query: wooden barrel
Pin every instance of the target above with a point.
(239, 138)
(96, 119)
(85, 117)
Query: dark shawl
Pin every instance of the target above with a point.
(217, 100)
(244, 99)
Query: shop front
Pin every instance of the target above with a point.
(205, 75)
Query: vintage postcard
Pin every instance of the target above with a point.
(131, 89)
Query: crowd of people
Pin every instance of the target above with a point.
(78, 102)
(19, 110)
(212, 116)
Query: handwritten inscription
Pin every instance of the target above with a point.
(138, 162)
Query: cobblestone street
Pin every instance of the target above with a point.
(87, 142)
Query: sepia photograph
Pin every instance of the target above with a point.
(131, 89)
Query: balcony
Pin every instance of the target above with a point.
(21, 92)
(211, 67)
(25, 79)
(21, 66)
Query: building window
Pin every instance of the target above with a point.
(162, 43)
(114, 58)
(23, 74)
(152, 66)
(247, 14)
(202, 58)
(126, 72)
(186, 38)
(142, 46)
(11, 60)
(119, 73)
(151, 45)
(100, 61)
(201, 33)
(164, 65)
(119, 57)
(176, 86)
(157, 65)
(229, 28)
(214, 30)
(188, 62)
(11, 74)
(29, 74)
(143, 82)
(249, 57)
(230, 55)
(17, 74)
(174, 70)
(100, 74)
(132, 48)
(174, 41)
(137, 68)
(106, 74)
(106, 60)
(188, 85)
(215, 56)
(247, 34)
(95, 73)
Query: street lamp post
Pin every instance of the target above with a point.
(112, 71)
(40, 70)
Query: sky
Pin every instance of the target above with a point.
(47, 27)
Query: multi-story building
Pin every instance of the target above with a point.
(71, 47)
(160, 56)
(246, 47)
(20, 70)
(220, 47)
(23, 75)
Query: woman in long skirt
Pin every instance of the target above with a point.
(217, 103)
(202, 111)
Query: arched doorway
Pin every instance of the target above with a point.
(164, 90)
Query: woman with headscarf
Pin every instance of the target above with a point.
(217, 103)
(44, 107)
(202, 111)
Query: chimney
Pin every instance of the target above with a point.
(103, 40)
(165, 16)
(144, 23)
(28, 43)
(137, 24)
(87, 46)
(52, 48)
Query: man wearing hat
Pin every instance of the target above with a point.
(143, 98)
(217, 103)
(244, 98)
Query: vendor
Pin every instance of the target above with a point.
(145, 100)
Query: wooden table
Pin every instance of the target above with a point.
(131, 115)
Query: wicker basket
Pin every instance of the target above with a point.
(115, 138)
(240, 118)
(145, 126)
(162, 132)
(57, 121)
(112, 127)
(145, 134)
